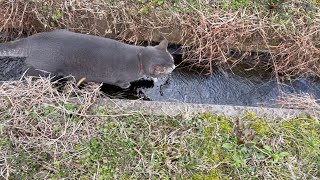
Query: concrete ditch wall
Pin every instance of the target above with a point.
(189, 110)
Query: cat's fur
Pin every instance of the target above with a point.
(94, 58)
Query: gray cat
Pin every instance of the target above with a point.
(93, 58)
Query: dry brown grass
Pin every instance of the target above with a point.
(294, 49)
(298, 101)
(30, 93)
(39, 117)
(206, 33)
(98, 17)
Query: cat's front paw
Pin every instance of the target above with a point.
(154, 79)
(124, 85)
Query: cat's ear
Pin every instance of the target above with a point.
(163, 45)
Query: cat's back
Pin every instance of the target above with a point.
(64, 38)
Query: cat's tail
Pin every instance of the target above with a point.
(13, 49)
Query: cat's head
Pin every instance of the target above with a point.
(156, 60)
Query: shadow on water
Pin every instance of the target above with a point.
(240, 87)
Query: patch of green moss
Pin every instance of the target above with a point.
(223, 144)
(303, 127)
(235, 4)
(303, 137)
(260, 127)
(218, 123)
(214, 174)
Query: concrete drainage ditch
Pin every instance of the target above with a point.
(184, 92)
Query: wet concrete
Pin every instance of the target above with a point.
(188, 110)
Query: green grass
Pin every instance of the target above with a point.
(142, 147)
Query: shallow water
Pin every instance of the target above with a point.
(225, 88)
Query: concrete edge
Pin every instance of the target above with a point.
(189, 110)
